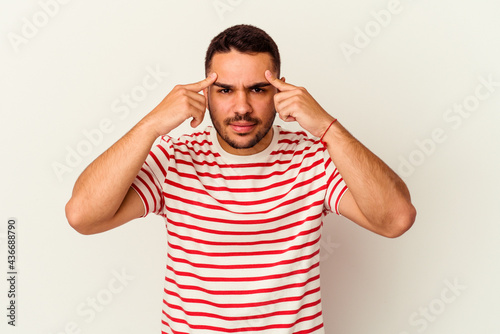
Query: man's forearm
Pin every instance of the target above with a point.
(380, 194)
(101, 188)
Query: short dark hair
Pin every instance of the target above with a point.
(243, 38)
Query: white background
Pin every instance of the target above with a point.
(65, 70)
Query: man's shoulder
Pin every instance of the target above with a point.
(199, 137)
(196, 138)
(196, 146)
(290, 138)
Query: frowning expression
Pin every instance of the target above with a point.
(241, 102)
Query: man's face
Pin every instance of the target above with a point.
(241, 102)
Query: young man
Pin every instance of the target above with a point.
(243, 200)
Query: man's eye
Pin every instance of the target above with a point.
(258, 90)
(224, 90)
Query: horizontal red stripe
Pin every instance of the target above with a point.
(243, 266)
(257, 232)
(245, 318)
(243, 243)
(296, 141)
(194, 142)
(253, 253)
(242, 305)
(192, 135)
(168, 325)
(243, 279)
(294, 152)
(243, 329)
(241, 292)
(309, 331)
(242, 221)
(192, 152)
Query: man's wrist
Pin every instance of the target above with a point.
(328, 128)
(148, 128)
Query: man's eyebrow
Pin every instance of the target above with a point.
(260, 85)
(255, 85)
(218, 84)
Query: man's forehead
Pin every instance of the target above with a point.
(236, 61)
(241, 70)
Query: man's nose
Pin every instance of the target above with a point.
(241, 103)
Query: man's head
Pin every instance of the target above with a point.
(243, 38)
(241, 100)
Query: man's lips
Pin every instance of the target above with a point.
(242, 127)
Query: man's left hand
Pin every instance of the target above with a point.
(294, 103)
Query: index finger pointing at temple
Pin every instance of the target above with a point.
(201, 85)
(282, 86)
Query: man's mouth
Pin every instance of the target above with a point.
(242, 127)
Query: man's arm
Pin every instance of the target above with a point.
(102, 198)
(377, 198)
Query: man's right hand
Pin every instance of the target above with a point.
(183, 102)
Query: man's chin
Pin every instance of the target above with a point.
(242, 139)
(240, 144)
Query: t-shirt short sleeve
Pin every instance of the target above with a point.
(150, 179)
(336, 186)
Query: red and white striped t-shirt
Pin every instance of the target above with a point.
(243, 232)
